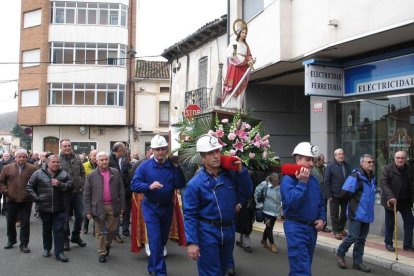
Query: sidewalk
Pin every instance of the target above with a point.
(375, 252)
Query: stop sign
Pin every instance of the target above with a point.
(191, 110)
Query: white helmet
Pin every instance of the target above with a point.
(207, 143)
(306, 149)
(158, 141)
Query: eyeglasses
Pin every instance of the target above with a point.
(160, 149)
(399, 157)
(370, 162)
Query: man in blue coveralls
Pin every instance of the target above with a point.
(157, 178)
(304, 210)
(210, 200)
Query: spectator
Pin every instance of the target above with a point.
(318, 172)
(13, 180)
(71, 163)
(267, 196)
(47, 187)
(335, 175)
(359, 188)
(397, 190)
(104, 202)
(89, 166)
(6, 159)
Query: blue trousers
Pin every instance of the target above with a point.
(158, 222)
(301, 242)
(53, 223)
(408, 219)
(216, 249)
(357, 235)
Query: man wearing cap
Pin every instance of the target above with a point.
(157, 178)
(304, 210)
(209, 210)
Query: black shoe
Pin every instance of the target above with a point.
(102, 259)
(79, 241)
(24, 248)
(62, 258)
(46, 253)
(238, 243)
(108, 247)
(9, 245)
(85, 229)
(341, 261)
(152, 273)
(362, 267)
(247, 249)
(390, 248)
(409, 248)
(66, 246)
(126, 234)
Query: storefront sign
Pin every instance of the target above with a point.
(323, 81)
(380, 76)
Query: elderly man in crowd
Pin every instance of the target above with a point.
(89, 166)
(47, 187)
(13, 180)
(398, 191)
(104, 202)
(72, 164)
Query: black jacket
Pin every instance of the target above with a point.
(74, 167)
(125, 171)
(334, 179)
(50, 199)
(391, 185)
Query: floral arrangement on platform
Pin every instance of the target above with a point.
(237, 136)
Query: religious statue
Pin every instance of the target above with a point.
(238, 69)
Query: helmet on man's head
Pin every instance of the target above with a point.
(158, 141)
(207, 143)
(306, 149)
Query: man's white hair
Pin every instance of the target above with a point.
(21, 150)
(101, 153)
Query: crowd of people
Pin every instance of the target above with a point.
(220, 199)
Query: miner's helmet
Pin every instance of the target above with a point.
(306, 149)
(158, 141)
(207, 143)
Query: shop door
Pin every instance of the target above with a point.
(51, 144)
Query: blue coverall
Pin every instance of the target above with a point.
(157, 206)
(209, 214)
(302, 205)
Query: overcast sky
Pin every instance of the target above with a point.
(160, 24)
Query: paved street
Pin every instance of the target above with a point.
(83, 261)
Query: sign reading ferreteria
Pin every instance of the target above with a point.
(323, 81)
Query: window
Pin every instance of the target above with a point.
(32, 18)
(31, 58)
(202, 72)
(88, 53)
(88, 13)
(29, 97)
(164, 89)
(86, 94)
(164, 113)
(251, 8)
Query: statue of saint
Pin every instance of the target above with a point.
(238, 69)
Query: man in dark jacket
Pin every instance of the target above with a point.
(104, 201)
(13, 180)
(118, 160)
(397, 190)
(6, 159)
(335, 175)
(47, 187)
(72, 164)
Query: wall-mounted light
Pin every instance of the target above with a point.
(333, 22)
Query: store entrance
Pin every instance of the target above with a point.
(377, 126)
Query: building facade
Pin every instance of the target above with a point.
(152, 103)
(337, 73)
(77, 63)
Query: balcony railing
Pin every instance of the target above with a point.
(200, 96)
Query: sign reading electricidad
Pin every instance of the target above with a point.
(380, 76)
(323, 80)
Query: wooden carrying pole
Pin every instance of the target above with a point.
(396, 232)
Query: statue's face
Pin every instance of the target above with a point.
(243, 34)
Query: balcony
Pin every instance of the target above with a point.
(200, 97)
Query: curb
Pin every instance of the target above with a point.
(368, 258)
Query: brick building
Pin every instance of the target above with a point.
(75, 77)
